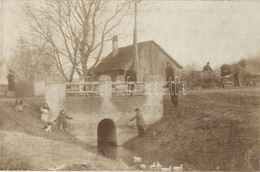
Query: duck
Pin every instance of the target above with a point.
(167, 169)
(137, 159)
(142, 166)
(152, 167)
(178, 168)
(158, 166)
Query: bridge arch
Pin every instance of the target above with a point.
(106, 132)
(107, 138)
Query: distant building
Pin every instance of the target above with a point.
(3, 77)
(3, 73)
(152, 59)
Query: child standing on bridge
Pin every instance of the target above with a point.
(62, 120)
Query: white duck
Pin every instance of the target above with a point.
(153, 166)
(142, 166)
(167, 169)
(158, 166)
(137, 159)
(177, 168)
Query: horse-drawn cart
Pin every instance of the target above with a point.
(205, 78)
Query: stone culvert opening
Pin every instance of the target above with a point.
(106, 137)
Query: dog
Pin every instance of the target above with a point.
(47, 127)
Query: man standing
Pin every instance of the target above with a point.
(139, 122)
(130, 76)
(169, 72)
(11, 78)
(207, 68)
(173, 89)
(90, 78)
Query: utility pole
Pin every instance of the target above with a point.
(136, 55)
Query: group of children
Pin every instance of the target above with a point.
(61, 120)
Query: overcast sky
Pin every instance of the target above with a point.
(190, 31)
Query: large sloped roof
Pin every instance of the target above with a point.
(125, 54)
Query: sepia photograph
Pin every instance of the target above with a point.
(130, 85)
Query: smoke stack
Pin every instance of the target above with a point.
(115, 46)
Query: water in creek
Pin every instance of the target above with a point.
(120, 152)
(117, 153)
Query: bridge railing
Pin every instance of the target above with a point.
(94, 88)
(82, 88)
(119, 88)
(128, 88)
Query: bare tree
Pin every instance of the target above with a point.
(29, 61)
(73, 32)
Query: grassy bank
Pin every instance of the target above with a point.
(209, 131)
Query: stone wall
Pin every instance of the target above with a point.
(88, 112)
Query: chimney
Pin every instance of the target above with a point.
(115, 46)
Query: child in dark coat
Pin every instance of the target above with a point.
(11, 86)
(62, 120)
(139, 122)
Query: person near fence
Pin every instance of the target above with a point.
(18, 105)
(207, 68)
(173, 90)
(91, 77)
(130, 79)
(11, 85)
(169, 72)
(236, 79)
(139, 122)
(61, 121)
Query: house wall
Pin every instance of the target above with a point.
(3, 79)
(3, 74)
(153, 61)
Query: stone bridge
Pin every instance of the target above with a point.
(106, 117)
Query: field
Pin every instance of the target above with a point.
(214, 129)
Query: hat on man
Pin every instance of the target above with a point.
(136, 109)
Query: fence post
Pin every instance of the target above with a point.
(105, 85)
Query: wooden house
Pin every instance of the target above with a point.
(152, 61)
